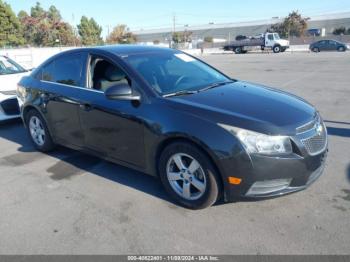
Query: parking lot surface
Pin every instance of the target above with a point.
(67, 202)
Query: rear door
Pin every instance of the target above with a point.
(63, 80)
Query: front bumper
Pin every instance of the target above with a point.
(9, 108)
(301, 172)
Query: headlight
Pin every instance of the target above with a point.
(259, 143)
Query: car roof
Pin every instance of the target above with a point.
(121, 50)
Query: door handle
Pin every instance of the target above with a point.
(85, 107)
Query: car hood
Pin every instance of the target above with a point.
(9, 82)
(250, 106)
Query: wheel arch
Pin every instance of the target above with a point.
(30, 107)
(199, 145)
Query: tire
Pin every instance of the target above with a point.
(341, 49)
(38, 131)
(315, 50)
(237, 50)
(276, 49)
(202, 184)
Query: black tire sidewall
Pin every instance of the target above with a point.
(276, 51)
(237, 50)
(212, 190)
(48, 143)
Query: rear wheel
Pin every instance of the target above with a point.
(238, 50)
(38, 132)
(188, 176)
(315, 49)
(276, 49)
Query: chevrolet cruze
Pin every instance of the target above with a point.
(168, 114)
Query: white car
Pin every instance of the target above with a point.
(10, 74)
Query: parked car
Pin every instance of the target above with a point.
(168, 114)
(10, 74)
(328, 45)
(313, 32)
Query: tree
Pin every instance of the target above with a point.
(293, 25)
(339, 31)
(46, 28)
(208, 39)
(37, 11)
(54, 14)
(121, 35)
(11, 30)
(90, 31)
(182, 37)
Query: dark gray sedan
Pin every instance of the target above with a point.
(328, 45)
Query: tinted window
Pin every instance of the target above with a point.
(64, 70)
(270, 37)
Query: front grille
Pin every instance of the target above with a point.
(10, 107)
(313, 136)
(9, 93)
(316, 144)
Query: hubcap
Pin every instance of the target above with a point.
(186, 176)
(37, 131)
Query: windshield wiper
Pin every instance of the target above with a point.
(215, 85)
(181, 93)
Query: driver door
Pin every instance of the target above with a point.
(111, 127)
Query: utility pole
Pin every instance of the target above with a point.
(174, 23)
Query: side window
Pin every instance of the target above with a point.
(103, 74)
(270, 37)
(64, 70)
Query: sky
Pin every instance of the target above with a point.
(148, 14)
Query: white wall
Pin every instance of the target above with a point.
(32, 57)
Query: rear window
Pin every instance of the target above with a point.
(64, 70)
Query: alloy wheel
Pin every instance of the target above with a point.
(37, 131)
(186, 176)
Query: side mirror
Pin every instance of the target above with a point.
(121, 92)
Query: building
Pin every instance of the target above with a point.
(228, 31)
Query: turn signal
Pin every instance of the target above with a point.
(234, 180)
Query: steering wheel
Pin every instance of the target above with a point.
(179, 80)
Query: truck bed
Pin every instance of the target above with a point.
(248, 42)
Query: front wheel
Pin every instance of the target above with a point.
(341, 49)
(276, 49)
(188, 176)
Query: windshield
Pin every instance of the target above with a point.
(8, 66)
(276, 36)
(169, 72)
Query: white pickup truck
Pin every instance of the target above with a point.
(267, 40)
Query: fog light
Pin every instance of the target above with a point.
(268, 186)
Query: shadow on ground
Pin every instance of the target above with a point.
(72, 163)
